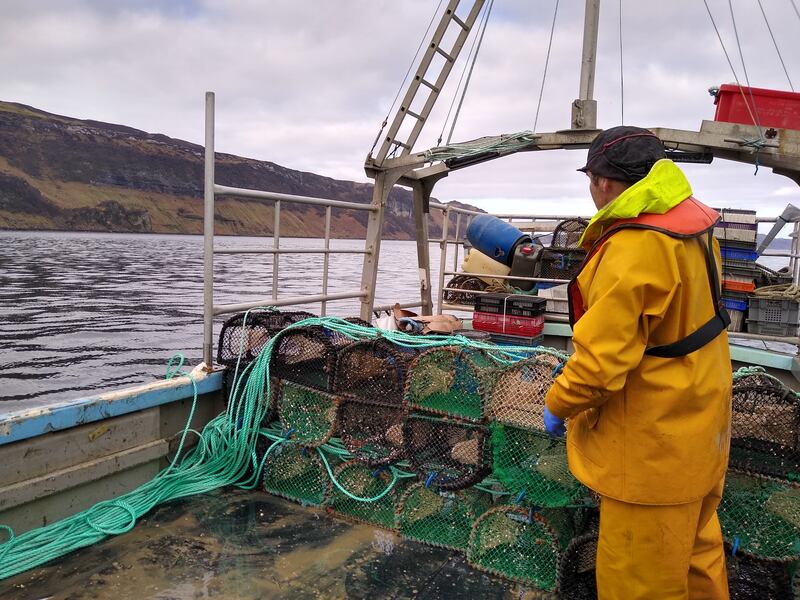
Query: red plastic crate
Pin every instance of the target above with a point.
(508, 324)
(775, 107)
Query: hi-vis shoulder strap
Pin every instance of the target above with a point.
(712, 328)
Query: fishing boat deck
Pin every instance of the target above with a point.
(237, 544)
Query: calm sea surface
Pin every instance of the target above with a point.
(83, 312)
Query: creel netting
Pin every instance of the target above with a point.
(521, 544)
(373, 371)
(372, 433)
(532, 465)
(296, 473)
(307, 355)
(441, 518)
(761, 516)
(446, 453)
(765, 427)
(244, 335)
(309, 415)
(519, 390)
(577, 569)
(451, 381)
(467, 283)
(753, 578)
(365, 483)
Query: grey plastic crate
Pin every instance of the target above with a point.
(764, 328)
(769, 310)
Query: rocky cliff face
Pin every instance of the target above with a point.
(67, 174)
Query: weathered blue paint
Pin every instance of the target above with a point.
(23, 424)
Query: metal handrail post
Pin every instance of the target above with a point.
(326, 259)
(208, 234)
(458, 232)
(443, 258)
(276, 244)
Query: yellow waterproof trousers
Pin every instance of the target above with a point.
(661, 552)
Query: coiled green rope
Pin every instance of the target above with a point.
(224, 454)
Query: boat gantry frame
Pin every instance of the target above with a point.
(395, 163)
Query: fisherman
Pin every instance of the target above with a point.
(647, 391)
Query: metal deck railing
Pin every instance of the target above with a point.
(461, 217)
(212, 190)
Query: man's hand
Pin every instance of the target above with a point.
(553, 425)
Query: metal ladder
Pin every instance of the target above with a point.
(421, 85)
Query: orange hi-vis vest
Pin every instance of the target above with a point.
(689, 219)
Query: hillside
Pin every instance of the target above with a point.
(61, 173)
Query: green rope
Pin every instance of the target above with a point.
(347, 493)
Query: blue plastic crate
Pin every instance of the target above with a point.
(734, 304)
(737, 254)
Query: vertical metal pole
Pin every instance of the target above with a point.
(276, 244)
(584, 109)
(384, 182)
(458, 232)
(323, 308)
(794, 263)
(443, 257)
(421, 198)
(208, 234)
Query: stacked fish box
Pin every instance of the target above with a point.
(736, 234)
(510, 319)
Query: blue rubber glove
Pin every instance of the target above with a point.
(553, 425)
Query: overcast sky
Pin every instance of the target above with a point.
(306, 84)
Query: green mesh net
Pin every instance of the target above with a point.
(761, 516)
(309, 414)
(451, 381)
(296, 473)
(447, 453)
(372, 504)
(519, 390)
(441, 518)
(521, 544)
(533, 466)
(372, 433)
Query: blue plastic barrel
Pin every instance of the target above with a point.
(495, 238)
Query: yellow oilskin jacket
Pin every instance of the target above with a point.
(644, 429)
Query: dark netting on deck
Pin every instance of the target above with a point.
(761, 516)
(447, 453)
(247, 337)
(467, 283)
(519, 390)
(532, 465)
(562, 260)
(308, 415)
(441, 518)
(307, 355)
(561, 264)
(296, 473)
(373, 371)
(451, 380)
(568, 233)
(366, 499)
(765, 427)
(577, 569)
(752, 578)
(521, 544)
(372, 433)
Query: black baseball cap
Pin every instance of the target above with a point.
(625, 153)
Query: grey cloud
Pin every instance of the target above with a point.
(306, 84)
